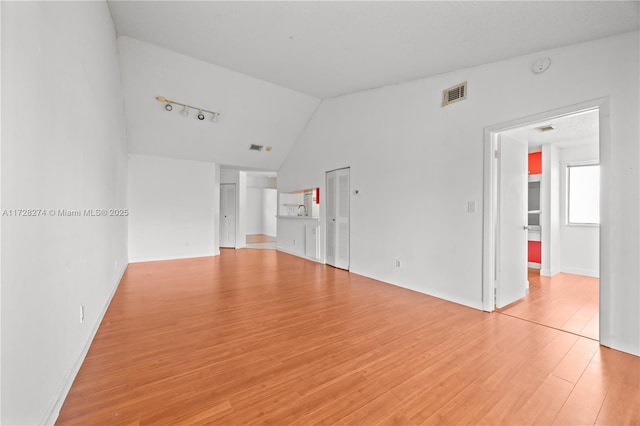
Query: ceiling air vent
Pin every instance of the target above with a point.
(454, 94)
(546, 128)
(255, 147)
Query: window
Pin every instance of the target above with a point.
(583, 201)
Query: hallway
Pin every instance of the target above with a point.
(566, 302)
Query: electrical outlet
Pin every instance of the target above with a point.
(397, 263)
(81, 314)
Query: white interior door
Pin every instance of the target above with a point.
(337, 218)
(228, 215)
(511, 283)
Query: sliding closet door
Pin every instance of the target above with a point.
(337, 218)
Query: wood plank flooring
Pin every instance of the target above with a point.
(262, 337)
(565, 301)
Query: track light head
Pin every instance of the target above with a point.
(201, 115)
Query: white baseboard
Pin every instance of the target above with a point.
(548, 273)
(52, 413)
(159, 258)
(570, 270)
(580, 271)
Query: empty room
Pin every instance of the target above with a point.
(341, 212)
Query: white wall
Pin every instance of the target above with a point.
(172, 208)
(63, 147)
(255, 202)
(292, 234)
(252, 111)
(417, 165)
(0, 218)
(550, 207)
(262, 181)
(261, 211)
(579, 244)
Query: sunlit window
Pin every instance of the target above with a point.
(584, 194)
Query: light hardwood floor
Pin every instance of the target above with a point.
(567, 302)
(259, 238)
(258, 336)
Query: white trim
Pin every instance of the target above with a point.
(579, 271)
(51, 415)
(549, 273)
(488, 218)
(490, 198)
(160, 258)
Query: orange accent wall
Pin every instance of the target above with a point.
(535, 252)
(535, 163)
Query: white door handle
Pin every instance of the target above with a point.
(526, 227)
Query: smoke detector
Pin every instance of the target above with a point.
(541, 65)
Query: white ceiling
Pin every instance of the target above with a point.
(571, 130)
(252, 111)
(325, 49)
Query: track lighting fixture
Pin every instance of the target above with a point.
(168, 105)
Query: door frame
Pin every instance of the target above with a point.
(490, 206)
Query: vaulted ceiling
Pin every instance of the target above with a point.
(325, 49)
(265, 66)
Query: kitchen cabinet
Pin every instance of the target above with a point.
(535, 163)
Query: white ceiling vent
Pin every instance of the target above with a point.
(255, 147)
(454, 94)
(546, 128)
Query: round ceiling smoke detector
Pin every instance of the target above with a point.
(541, 65)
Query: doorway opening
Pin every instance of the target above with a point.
(250, 197)
(261, 210)
(542, 255)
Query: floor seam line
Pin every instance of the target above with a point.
(548, 326)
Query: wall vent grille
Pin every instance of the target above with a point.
(255, 147)
(454, 94)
